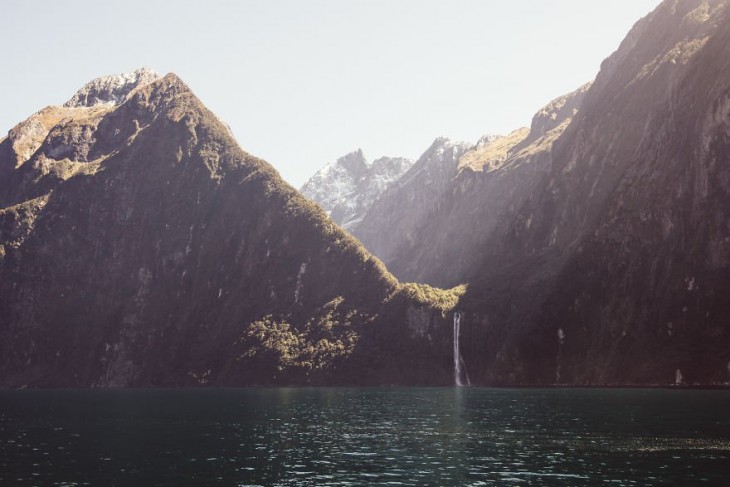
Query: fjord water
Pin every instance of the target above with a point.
(368, 436)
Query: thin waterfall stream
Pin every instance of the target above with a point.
(458, 360)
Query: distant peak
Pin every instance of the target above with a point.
(356, 154)
(443, 141)
(354, 161)
(112, 89)
(442, 144)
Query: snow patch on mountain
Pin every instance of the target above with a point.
(111, 90)
(347, 187)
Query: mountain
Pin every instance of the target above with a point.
(402, 207)
(420, 244)
(595, 243)
(348, 187)
(603, 257)
(140, 246)
(449, 234)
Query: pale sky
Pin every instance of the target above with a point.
(304, 82)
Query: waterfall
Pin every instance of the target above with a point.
(458, 361)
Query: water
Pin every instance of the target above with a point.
(378, 436)
(459, 366)
(457, 355)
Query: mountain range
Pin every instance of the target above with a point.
(593, 242)
(140, 246)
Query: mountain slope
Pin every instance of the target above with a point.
(403, 206)
(614, 269)
(448, 239)
(427, 239)
(139, 245)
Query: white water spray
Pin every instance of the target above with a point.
(458, 361)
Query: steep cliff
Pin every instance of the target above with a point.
(447, 244)
(392, 220)
(140, 246)
(613, 268)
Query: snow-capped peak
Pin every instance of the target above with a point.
(347, 187)
(111, 89)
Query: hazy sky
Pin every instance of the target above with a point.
(304, 82)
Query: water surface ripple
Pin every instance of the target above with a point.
(368, 436)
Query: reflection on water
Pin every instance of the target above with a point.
(386, 436)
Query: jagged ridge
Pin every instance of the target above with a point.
(348, 187)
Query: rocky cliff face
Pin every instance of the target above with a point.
(448, 241)
(348, 187)
(613, 268)
(393, 194)
(140, 246)
(402, 208)
(428, 237)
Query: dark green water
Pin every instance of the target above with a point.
(380, 436)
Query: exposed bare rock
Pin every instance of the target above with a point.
(401, 208)
(111, 89)
(557, 112)
(450, 239)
